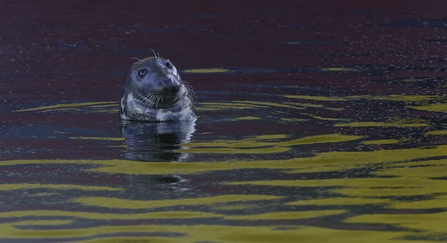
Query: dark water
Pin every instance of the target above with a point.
(319, 121)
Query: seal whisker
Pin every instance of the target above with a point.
(158, 100)
(138, 59)
(190, 97)
(152, 98)
(189, 87)
(179, 96)
(143, 100)
(155, 54)
(191, 94)
(146, 102)
(155, 101)
(190, 90)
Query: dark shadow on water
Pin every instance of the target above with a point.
(156, 141)
(156, 183)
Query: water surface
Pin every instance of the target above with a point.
(319, 121)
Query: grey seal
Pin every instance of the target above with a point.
(154, 91)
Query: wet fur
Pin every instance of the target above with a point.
(160, 95)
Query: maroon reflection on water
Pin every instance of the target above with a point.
(78, 51)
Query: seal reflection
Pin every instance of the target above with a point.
(156, 141)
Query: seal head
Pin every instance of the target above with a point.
(154, 91)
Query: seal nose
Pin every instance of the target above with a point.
(170, 82)
(172, 89)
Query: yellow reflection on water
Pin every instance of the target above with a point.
(247, 118)
(406, 187)
(145, 204)
(402, 97)
(287, 215)
(437, 202)
(316, 98)
(108, 216)
(438, 132)
(433, 107)
(429, 222)
(321, 162)
(207, 70)
(26, 186)
(99, 138)
(206, 233)
(94, 106)
(424, 169)
(262, 144)
(383, 124)
(340, 201)
(41, 222)
(339, 69)
(381, 141)
(390, 191)
(360, 183)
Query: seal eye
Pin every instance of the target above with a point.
(142, 73)
(169, 65)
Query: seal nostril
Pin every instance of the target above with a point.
(172, 89)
